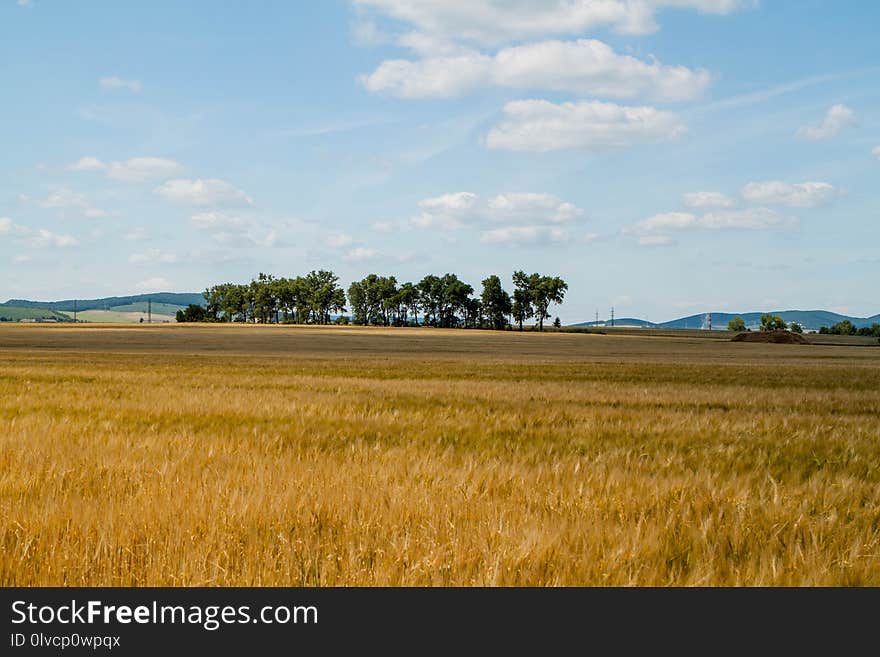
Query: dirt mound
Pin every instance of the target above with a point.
(774, 337)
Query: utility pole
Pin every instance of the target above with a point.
(74, 311)
(597, 317)
(612, 315)
(149, 311)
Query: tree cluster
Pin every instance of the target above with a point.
(441, 301)
(309, 299)
(846, 327)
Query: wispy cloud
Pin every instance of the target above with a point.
(114, 82)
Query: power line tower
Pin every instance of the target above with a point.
(612, 315)
(74, 311)
(149, 311)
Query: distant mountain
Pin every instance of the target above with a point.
(811, 320)
(176, 299)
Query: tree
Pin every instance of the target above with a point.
(192, 313)
(496, 303)
(737, 325)
(772, 323)
(549, 289)
(522, 298)
(794, 327)
(557, 323)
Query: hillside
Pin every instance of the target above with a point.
(811, 320)
(175, 299)
(17, 313)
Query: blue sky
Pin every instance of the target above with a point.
(666, 157)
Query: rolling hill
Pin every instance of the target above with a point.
(127, 309)
(176, 299)
(18, 313)
(812, 320)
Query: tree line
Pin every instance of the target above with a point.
(441, 301)
(846, 327)
(768, 323)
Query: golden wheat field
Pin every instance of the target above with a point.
(272, 455)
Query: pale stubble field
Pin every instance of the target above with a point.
(274, 455)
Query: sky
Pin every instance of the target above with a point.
(664, 157)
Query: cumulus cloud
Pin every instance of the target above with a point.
(136, 169)
(837, 118)
(541, 126)
(707, 200)
(43, 238)
(114, 82)
(491, 22)
(461, 209)
(67, 200)
(653, 230)
(153, 257)
(235, 231)
(210, 192)
(339, 240)
(655, 240)
(157, 284)
(382, 226)
(219, 222)
(585, 66)
(525, 235)
(7, 227)
(39, 238)
(876, 152)
(361, 253)
(801, 195)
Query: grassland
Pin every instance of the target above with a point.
(231, 455)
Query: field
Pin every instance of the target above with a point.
(15, 314)
(273, 455)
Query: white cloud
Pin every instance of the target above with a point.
(531, 207)
(360, 254)
(496, 21)
(152, 257)
(43, 238)
(235, 231)
(210, 192)
(8, 227)
(837, 118)
(585, 66)
(136, 169)
(216, 222)
(876, 152)
(40, 238)
(541, 126)
(135, 235)
(461, 209)
(87, 164)
(708, 200)
(157, 284)
(525, 235)
(801, 195)
(747, 219)
(21, 259)
(382, 227)
(66, 199)
(339, 240)
(25, 3)
(655, 240)
(114, 82)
